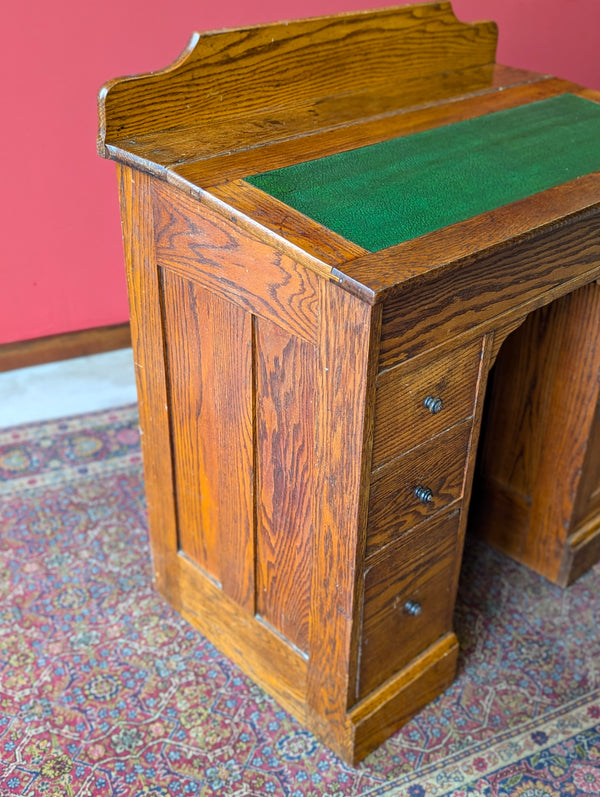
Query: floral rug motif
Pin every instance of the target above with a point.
(106, 692)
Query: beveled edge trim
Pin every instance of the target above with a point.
(388, 272)
(285, 221)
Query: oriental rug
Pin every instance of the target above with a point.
(106, 691)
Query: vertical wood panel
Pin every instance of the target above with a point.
(285, 462)
(235, 404)
(344, 397)
(147, 340)
(209, 354)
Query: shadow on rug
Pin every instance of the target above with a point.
(105, 690)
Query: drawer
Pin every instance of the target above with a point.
(418, 401)
(414, 487)
(409, 599)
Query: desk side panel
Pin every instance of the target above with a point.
(238, 319)
(344, 399)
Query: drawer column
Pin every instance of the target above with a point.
(426, 429)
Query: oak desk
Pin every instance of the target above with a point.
(325, 253)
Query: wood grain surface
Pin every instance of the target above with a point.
(135, 191)
(582, 551)
(208, 347)
(254, 647)
(195, 156)
(225, 76)
(402, 419)
(497, 281)
(437, 465)
(505, 88)
(288, 223)
(417, 566)
(586, 508)
(386, 709)
(285, 419)
(344, 416)
(211, 250)
(65, 346)
(430, 255)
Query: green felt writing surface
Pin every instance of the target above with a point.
(386, 193)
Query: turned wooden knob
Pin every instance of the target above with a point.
(424, 494)
(413, 608)
(433, 404)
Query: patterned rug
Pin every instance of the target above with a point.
(104, 690)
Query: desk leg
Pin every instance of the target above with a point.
(537, 490)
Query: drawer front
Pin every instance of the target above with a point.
(414, 487)
(409, 599)
(417, 402)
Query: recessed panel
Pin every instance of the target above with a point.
(209, 366)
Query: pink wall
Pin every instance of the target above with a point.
(61, 265)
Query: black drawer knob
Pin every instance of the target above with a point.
(413, 608)
(433, 404)
(424, 494)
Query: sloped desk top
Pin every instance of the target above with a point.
(386, 193)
